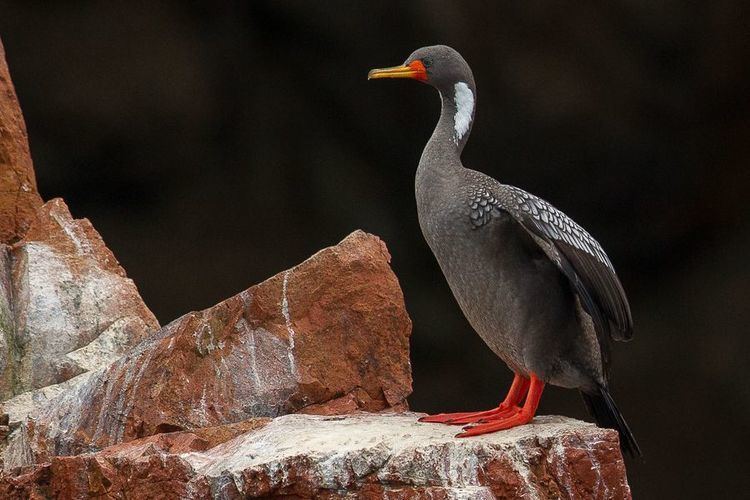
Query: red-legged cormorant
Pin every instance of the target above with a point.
(539, 290)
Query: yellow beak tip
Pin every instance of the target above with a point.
(394, 72)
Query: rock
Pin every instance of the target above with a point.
(147, 468)
(356, 456)
(19, 198)
(329, 335)
(150, 474)
(106, 404)
(306, 456)
(66, 307)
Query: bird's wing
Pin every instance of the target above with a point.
(575, 252)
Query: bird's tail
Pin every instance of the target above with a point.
(602, 407)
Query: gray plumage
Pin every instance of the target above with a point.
(538, 288)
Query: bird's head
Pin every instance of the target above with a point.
(443, 68)
(437, 65)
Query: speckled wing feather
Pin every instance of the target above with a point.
(578, 255)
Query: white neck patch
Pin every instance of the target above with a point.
(464, 99)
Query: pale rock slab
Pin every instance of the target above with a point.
(360, 456)
(555, 457)
(66, 306)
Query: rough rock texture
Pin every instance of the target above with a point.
(19, 199)
(73, 308)
(147, 468)
(107, 405)
(66, 306)
(357, 456)
(330, 335)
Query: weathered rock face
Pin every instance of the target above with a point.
(19, 198)
(148, 468)
(108, 405)
(357, 456)
(66, 305)
(330, 335)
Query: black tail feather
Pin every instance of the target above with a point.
(602, 407)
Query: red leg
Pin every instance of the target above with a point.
(520, 418)
(508, 407)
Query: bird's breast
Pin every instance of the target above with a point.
(509, 294)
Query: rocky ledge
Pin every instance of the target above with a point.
(353, 456)
(294, 388)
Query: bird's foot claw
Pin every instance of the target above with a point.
(485, 416)
(513, 420)
(463, 418)
(441, 418)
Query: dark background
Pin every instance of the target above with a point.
(215, 146)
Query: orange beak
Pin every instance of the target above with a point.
(414, 70)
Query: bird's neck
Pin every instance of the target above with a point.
(441, 158)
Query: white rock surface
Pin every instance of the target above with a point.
(66, 307)
(300, 454)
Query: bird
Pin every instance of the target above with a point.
(537, 287)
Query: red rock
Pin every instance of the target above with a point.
(325, 338)
(185, 441)
(93, 476)
(146, 468)
(66, 307)
(19, 198)
(331, 334)
(357, 456)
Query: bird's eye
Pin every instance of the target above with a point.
(427, 62)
